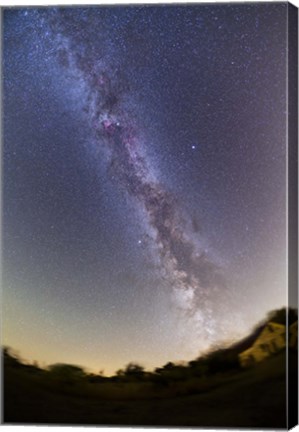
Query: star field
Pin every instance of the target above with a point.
(144, 179)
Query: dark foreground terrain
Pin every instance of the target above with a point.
(254, 397)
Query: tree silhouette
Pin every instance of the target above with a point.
(134, 370)
(279, 316)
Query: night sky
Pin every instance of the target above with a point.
(144, 179)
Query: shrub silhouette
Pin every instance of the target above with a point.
(199, 367)
(133, 371)
(94, 379)
(66, 373)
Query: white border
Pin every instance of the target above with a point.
(114, 2)
(21, 3)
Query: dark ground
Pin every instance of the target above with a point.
(249, 398)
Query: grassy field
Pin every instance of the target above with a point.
(254, 397)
